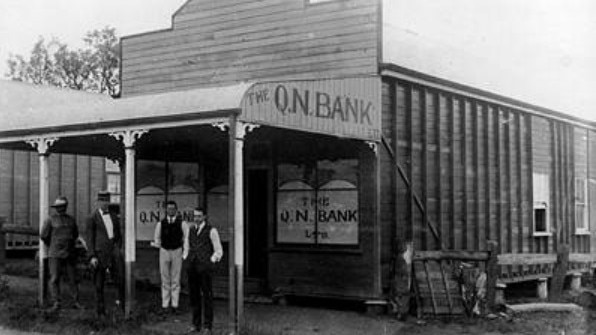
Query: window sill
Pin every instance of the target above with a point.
(582, 232)
(315, 250)
(536, 234)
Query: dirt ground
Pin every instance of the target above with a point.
(18, 311)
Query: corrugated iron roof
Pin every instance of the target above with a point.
(30, 109)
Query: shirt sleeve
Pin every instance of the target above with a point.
(217, 249)
(157, 235)
(185, 245)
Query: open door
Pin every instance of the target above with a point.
(257, 203)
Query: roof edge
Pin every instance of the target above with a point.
(389, 69)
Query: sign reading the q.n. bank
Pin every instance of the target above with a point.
(347, 107)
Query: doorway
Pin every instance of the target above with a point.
(257, 219)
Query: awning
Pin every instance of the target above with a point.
(342, 107)
(85, 113)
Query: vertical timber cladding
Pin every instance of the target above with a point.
(471, 163)
(74, 176)
(215, 42)
(592, 187)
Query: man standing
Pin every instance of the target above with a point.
(104, 242)
(169, 238)
(202, 249)
(60, 233)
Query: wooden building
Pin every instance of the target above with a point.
(303, 180)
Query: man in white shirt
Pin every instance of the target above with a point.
(169, 238)
(201, 251)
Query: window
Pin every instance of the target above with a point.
(113, 180)
(317, 202)
(541, 194)
(159, 181)
(581, 211)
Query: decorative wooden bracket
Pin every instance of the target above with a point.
(128, 137)
(42, 144)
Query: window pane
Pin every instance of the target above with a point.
(183, 177)
(151, 176)
(287, 172)
(338, 216)
(540, 220)
(296, 216)
(580, 218)
(341, 169)
(113, 183)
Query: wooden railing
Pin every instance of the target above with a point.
(440, 289)
(12, 229)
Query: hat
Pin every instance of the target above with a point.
(59, 202)
(103, 196)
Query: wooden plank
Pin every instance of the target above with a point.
(582, 258)
(476, 162)
(461, 255)
(497, 140)
(554, 190)
(446, 286)
(464, 180)
(409, 151)
(487, 178)
(452, 172)
(438, 169)
(508, 183)
(520, 180)
(530, 181)
(11, 228)
(430, 287)
(526, 259)
(424, 182)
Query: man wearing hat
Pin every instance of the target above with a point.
(60, 233)
(104, 242)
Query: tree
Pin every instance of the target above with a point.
(95, 68)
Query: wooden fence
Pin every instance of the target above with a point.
(446, 282)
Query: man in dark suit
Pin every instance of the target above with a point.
(104, 241)
(201, 250)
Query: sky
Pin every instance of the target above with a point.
(539, 51)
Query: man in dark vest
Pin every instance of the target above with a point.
(202, 249)
(169, 238)
(104, 242)
(60, 233)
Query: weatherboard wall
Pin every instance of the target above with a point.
(215, 42)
